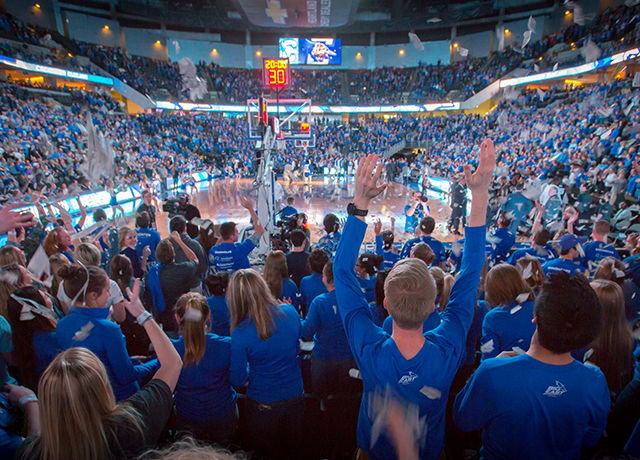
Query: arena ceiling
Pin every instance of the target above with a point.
(391, 19)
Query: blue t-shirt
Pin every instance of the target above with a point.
(424, 379)
(89, 328)
(229, 257)
(288, 211)
(411, 222)
(204, 390)
(502, 244)
(436, 246)
(311, 287)
(368, 285)
(390, 258)
(270, 366)
(148, 237)
(220, 316)
(432, 321)
(544, 254)
(46, 348)
(323, 323)
(562, 265)
(595, 251)
(505, 329)
(528, 409)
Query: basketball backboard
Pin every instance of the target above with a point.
(294, 115)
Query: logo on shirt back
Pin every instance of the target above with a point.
(407, 379)
(554, 391)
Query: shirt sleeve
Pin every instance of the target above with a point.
(354, 309)
(239, 360)
(312, 322)
(246, 247)
(124, 371)
(379, 251)
(476, 404)
(600, 412)
(458, 314)
(190, 268)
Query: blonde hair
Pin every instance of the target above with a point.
(190, 449)
(275, 271)
(249, 297)
(87, 254)
(423, 252)
(607, 270)
(122, 236)
(11, 255)
(76, 403)
(410, 293)
(444, 283)
(536, 279)
(56, 262)
(192, 309)
(503, 285)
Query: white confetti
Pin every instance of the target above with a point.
(588, 354)
(515, 309)
(522, 298)
(487, 347)
(580, 250)
(431, 393)
(618, 273)
(518, 350)
(193, 315)
(355, 374)
(526, 273)
(84, 332)
(456, 248)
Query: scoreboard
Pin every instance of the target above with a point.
(276, 73)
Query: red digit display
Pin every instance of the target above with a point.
(276, 73)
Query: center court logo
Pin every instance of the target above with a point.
(554, 391)
(407, 379)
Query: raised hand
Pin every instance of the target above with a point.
(367, 177)
(175, 236)
(481, 179)
(134, 305)
(146, 251)
(377, 228)
(245, 202)
(11, 220)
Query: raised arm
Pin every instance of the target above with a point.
(248, 205)
(175, 236)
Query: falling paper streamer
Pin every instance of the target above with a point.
(578, 15)
(431, 393)
(502, 120)
(590, 51)
(511, 93)
(580, 250)
(456, 248)
(541, 94)
(536, 68)
(527, 272)
(197, 87)
(463, 51)
(500, 34)
(531, 25)
(84, 332)
(176, 46)
(619, 273)
(415, 41)
(354, 373)
(555, 67)
(99, 159)
(605, 111)
(487, 347)
(515, 309)
(522, 298)
(40, 268)
(527, 38)
(636, 80)
(631, 3)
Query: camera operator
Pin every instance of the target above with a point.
(188, 211)
(415, 211)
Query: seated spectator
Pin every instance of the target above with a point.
(502, 240)
(147, 236)
(540, 249)
(569, 254)
(205, 400)
(384, 245)
(87, 326)
(332, 357)
(167, 280)
(329, 242)
(33, 326)
(508, 324)
(263, 352)
(218, 309)
(312, 286)
(80, 418)
(298, 259)
(504, 392)
(598, 249)
(423, 252)
(229, 255)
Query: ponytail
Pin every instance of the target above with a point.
(193, 310)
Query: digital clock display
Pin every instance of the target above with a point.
(276, 73)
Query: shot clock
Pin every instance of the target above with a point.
(276, 73)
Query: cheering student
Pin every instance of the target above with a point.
(569, 257)
(384, 245)
(312, 286)
(414, 367)
(426, 227)
(542, 404)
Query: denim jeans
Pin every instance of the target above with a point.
(275, 429)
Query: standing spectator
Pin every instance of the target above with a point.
(312, 286)
(415, 211)
(502, 240)
(146, 236)
(458, 204)
(598, 249)
(427, 226)
(179, 225)
(188, 211)
(147, 207)
(265, 337)
(329, 242)
(217, 284)
(298, 259)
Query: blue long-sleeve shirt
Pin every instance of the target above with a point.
(506, 328)
(89, 328)
(436, 246)
(45, 345)
(204, 390)
(311, 287)
(323, 323)
(390, 257)
(220, 315)
(270, 366)
(433, 320)
(381, 364)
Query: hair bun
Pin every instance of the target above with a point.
(68, 272)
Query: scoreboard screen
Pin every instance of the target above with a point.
(276, 73)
